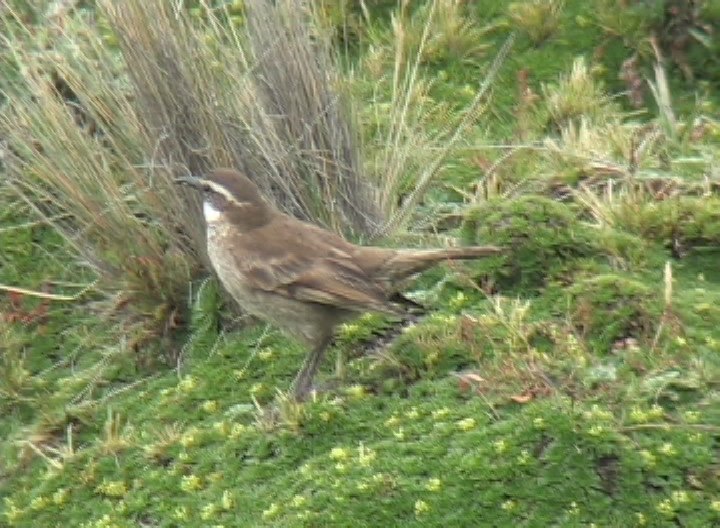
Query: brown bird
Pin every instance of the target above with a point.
(301, 278)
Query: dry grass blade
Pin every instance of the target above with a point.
(310, 145)
(450, 139)
(262, 101)
(76, 145)
(96, 138)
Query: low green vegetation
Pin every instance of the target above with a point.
(572, 381)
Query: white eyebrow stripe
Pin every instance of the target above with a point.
(220, 190)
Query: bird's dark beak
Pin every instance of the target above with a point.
(192, 181)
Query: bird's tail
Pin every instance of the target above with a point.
(407, 262)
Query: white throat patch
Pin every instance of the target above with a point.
(211, 213)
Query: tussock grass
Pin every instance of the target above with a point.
(76, 157)
(260, 98)
(96, 138)
(411, 136)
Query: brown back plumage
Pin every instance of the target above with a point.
(303, 278)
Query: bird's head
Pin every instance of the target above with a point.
(229, 193)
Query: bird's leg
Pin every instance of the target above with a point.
(303, 380)
(340, 364)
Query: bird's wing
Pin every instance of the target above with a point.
(296, 264)
(339, 283)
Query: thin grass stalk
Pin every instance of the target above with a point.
(402, 214)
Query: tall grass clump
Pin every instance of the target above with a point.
(258, 96)
(78, 153)
(105, 108)
(410, 136)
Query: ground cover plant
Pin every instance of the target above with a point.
(572, 381)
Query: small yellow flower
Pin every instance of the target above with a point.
(190, 483)
(412, 414)
(433, 484)
(466, 424)
(656, 412)
(210, 406)
(596, 430)
(524, 457)
(637, 415)
(439, 414)
(365, 456)
(715, 505)
(668, 449)
(222, 427)
(187, 384)
(190, 437)
(215, 476)
(665, 507)
(271, 511)
(227, 502)
(266, 353)
(12, 512)
(421, 507)
(60, 496)
(38, 503)
(392, 421)
(349, 330)
(648, 457)
(115, 488)
(432, 357)
(339, 453)
(680, 497)
(500, 446)
(508, 505)
(459, 301)
(597, 413)
(237, 430)
(692, 416)
(208, 511)
(181, 513)
(356, 392)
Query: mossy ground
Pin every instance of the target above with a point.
(574, 381)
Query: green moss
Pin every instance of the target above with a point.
(685, 221)
(606, 308)
(540, 235)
